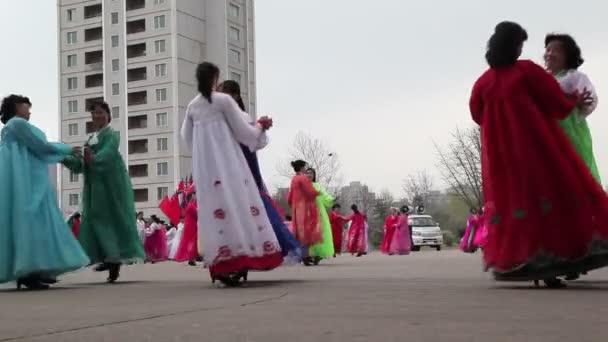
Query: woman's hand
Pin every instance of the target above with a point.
(266, 122)
(583, 99)
(88, 155)
(77, 151)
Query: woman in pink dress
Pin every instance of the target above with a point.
(155, 243)
(400, 243)
(356, 241)
(470, 239)
(188, 246)
(389, 229)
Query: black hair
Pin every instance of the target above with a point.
(104, 106)
(354, 208)
(206, 74)
(336, 206)
(233, 89)
(504, 45)
(9, 106)
(77, 215)
(574, 58)
(155, 219)
(314, 173)
(287, 217)
(298, 165)
(474, 211)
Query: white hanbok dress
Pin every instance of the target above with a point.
(233, 226)
(174, 238)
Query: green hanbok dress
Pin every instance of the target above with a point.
(108, 229)
(575, 125)
(325, 201)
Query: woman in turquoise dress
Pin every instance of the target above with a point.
(36, 245)
(562, 59)
(108, 231)
(325, 201)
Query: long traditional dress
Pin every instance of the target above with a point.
(337, 230)
(108, 231)
(356, 241)
(155, 243)
(390, 224)
(304, 211)
(34, 237)
(575, 125)
(235, 230)
(324, 201)
(176, 240)
(74, 224)
(470, 239)
(188, 247)
(400, 243)
(547, 216)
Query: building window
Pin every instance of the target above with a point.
(73, 106)
(160, 46)
(72, 83)
(115, 89)
(73, 177)
(72, 130)
(235, 34)
(162, 120)
(115, 112)
(72, 61)
(114, 17)
(73, 200)
(160, 70)
(114, 41)
(235, 76)
(162, 144)
(161, 95)
(235, 11)
(71, 14)
(159, 22)
(162, 192)
(235, 56)
(162, 169)
(72, 37)
(159, 2)
(115, 65)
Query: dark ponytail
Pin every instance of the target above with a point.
(206, 74)
(354, 208)
(504, 45)
(298, 165)
(233, 89)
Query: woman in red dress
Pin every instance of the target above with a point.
(337, 228)
(547, 216)
(390, 224)
(188, 246)
(356, 241)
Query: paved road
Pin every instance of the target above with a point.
(427, 296)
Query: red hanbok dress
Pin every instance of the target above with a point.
(390, 224)
(546, 215)
(337, 229)
(304, 211)
(356, 241)
(188, 246)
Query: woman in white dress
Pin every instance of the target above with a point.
(233, 226)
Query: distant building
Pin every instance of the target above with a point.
(359, 194)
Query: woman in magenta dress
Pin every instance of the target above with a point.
(469, 241)
(390, 223)
(356, 241)
(155, 243)
(188, 246)
(547, 216)
(400, 243)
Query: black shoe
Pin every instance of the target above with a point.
(31, 284)
(114, 273)
(192, 263)
(102, 267)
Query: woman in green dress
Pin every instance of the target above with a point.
(325, 201)
(108, 232)
(562, 59)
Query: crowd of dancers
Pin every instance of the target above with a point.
(545, 214)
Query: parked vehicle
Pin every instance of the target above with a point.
(425, 232)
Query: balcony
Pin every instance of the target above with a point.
(138, 98)
(136, 26)
(138, 122)
(93, 61)
(138, 146)
(89, 102)
(137, 74)
(140, 195)
(136, 50)
(135, 4)
(93, 81)
(92, 11)
(138, 171)
(93, 34)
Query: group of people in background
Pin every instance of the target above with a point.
(397, 237)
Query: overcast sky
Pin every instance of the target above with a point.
(379, 81)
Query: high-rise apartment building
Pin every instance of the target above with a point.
(140, 56)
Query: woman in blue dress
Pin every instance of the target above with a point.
(36, 244)
(291, 248)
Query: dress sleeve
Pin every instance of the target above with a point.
(307, 188)
(326, 199)
(24, 133)
(187, 127)
(73, 164)
(583, 82)
(107, 153)
(546, 92)
(243, 132)
(476, 102)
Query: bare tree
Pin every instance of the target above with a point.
(417, 188)
(460, 166)
(319, 156)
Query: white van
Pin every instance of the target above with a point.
(425, 232)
